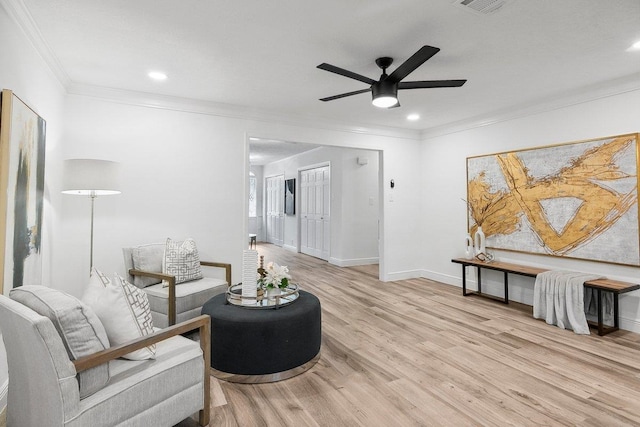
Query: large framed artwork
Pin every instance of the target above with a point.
(574, 200)
(22, 153)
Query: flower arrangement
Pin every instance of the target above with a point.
(274, 276)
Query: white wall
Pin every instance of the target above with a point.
(354, 202)
(186, 175)
(25, 73)
(444, 178)
(183, 176)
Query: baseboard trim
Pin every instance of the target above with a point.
(402, 275)
(442, 278)
(353, 262)
(290, 248)
(632, 325)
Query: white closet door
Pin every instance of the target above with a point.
(275, 209)
(315, 212)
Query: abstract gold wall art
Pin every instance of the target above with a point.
(575, 200)
(22, 152)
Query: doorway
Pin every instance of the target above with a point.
(353, 235)
(315, 211)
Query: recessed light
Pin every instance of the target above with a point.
(635, 46)
(413, 117)
(157, 75)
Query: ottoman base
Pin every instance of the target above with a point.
(267, 378)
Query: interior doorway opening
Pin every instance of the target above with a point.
(353, 214)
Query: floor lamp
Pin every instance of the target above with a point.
(93, 178)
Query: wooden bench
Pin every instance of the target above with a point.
(601, 285)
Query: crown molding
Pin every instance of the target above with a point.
(189, 105)
(22, 17)
(590, 93)
(19, 13)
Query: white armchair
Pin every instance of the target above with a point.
(44, 389)
(171, 301)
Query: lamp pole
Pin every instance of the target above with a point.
(92, 196)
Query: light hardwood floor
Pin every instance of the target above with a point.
(418, 353)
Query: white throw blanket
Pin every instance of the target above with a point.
(558, 297)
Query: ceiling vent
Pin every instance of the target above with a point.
(482, 7)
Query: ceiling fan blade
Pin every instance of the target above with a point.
(342, 95)
(416, 60)
(346, 73)
(430, 84)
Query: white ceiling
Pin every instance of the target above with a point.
(262, 55)
(265, 151)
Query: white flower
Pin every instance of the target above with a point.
(275, 276)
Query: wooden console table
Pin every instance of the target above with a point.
(614, 286)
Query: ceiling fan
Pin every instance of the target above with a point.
(385, 90)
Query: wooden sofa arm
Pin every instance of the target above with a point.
(201, 323)
(159, 276)
(227, 268)
(171, 281)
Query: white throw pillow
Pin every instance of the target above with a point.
(124, 311)
(79, 327)
(181, 260)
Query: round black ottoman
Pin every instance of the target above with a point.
(263, 345)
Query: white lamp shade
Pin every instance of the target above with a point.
(88, 177)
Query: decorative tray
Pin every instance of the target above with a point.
(287, 296)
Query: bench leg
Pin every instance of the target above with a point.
(464, 280)
(616, 320)
(602, 329)
(479, 280)
(506, 287)
(600, 313)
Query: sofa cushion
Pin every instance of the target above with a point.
(80, 329)
(189, 295)
(147, 258)
(123, 309)
(181, 259)
(175, 377)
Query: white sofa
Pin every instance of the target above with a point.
(44, 388)
(170, 302)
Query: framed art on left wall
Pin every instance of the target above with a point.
(22, 160)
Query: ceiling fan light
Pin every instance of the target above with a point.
(385, 101)
(384, 94)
